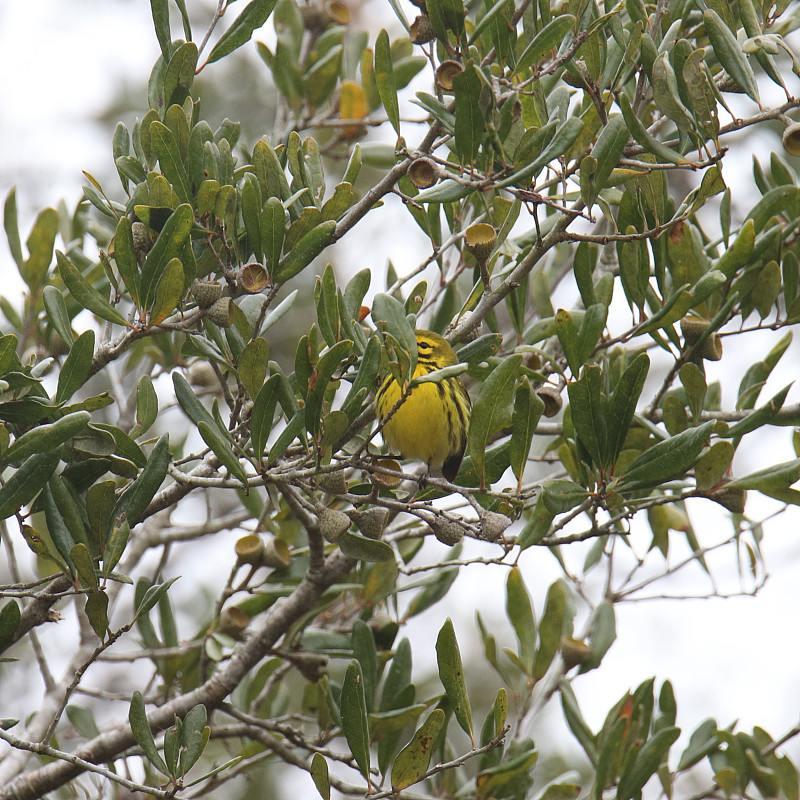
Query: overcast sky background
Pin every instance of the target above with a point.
(62, 63)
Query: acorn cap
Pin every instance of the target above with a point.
(732, 499)
(233, 622)
(332, 523)
(332, 482)
(551, 398)
(250, 550)
(791, 139)
(370, 522)
(480, 240)
(421, 30)
(222, 312)
(276, 554)
(447, 531)
(445, 73)
(493, 525)
(254, 277)
(423, 172)
(206, 293)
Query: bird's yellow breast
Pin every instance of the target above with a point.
(420, 428)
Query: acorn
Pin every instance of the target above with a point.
(222, 312)
(725, 83)
(551, 398)
(493, 525)
(421, 30)
(332, 523)
(575, 652)
(206, 293)
(332, 482)
(201, 374)
(370, 522)
(447, 531)
(142, 243)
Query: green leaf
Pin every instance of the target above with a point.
(319, 774)
(560, 495)
(607, 152)
(169, 292)
(96, 610)
(653, 753)
(46, 437)
(125, 257)
(140, 728)
(146, 404)
(263, 414)
(413, 760)
(638, 131)
(252, 366)
(26, 482)
(222, 445)
(772, 478)
(528, 409)
(549, 38)
(76, 367)
(169, 245)
(85, 294)
(451, 674)
(40, 244)
(9, 622)
(195, 736)
(119, 533)
(712, 466)
(551, 629)
(519, 611)
(727, 50)
(384, 77)
(329, 362)
(491, 411)
(564, 137)
(589, 409)
(305, 251)
(160, 12)
(166, 149)
(601, 636)
(363, 548)
(83, 564)
(151, 597)
(57, 313)
(762, 416)
(253, 16)
(11, 227)
(467, 87)
(354, 717)
(366, 654)
(667, 459)
(622, 405)
(134, 500)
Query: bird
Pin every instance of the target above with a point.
(432, 421)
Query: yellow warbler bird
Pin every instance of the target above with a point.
(431, 423)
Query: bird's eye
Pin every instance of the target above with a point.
(424, 346)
